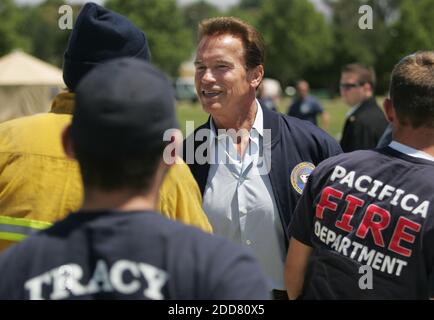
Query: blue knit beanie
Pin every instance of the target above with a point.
(99, 35)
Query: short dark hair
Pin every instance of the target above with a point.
(412, 89)
(254, 49)
(111, 172)
(364, 73)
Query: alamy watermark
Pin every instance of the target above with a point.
(366, 21)
(366, 280)
(207, 147)
(66, 19)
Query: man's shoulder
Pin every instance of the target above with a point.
(137, 226)
(369, 106)
(21, 122)
(178, 173)
(359, 159)
(37, 135)
(31, 119)
(26, 127)
(304, 129)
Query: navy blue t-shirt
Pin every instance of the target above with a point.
(128, 255)
(371, 209)
(306, 109)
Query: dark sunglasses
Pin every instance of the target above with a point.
(348, 86)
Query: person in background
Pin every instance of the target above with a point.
(38, 183)
(268, 94)
(306, 107)
(365, 122)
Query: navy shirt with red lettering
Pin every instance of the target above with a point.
(369, 215)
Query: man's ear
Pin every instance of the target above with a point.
(67, 142)
(389, 110)
(256, 75)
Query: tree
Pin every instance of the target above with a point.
(353, 44)
(10, 18)
(297, 37)
(250, 4)
(409, 26)
(411, 32)
(48, 41)
(247, 10)
(163, 23)
(196, 12)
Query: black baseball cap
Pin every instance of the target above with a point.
(123, 106)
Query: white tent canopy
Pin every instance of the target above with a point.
(27, 85)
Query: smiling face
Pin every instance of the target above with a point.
(222, 80)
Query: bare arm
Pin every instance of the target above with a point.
(295, 267)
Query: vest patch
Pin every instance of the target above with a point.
(300, 174)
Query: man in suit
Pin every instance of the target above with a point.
(306, 107)
(365, 122)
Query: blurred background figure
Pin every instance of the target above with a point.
(306, 107)
(365, 122)
(269, 93)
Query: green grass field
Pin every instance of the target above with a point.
(337, 109)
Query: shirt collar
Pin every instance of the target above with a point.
(352, 110)
(63, 103)
(410, 151)
(258, 124)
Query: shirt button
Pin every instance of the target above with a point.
(248, 242)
